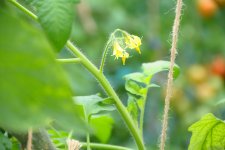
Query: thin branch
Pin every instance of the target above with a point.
(69, 60)
(18, 5)
(170, 75)
(104, 55)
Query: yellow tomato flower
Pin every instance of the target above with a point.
(117, 50)
(133, 42)
(124, 57)
(123, 41)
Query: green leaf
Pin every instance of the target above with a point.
(136, 76)
(102, 126)
(135, 88)
(152, 68)
(207, 134)
(138, 83)
(56, 18)
(108, 100)
(92, 104)
(58, 138)
(5, 143)
(33, 89)
(95, 108)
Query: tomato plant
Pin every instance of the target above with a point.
(40, 110)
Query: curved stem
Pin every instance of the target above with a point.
(109, 90)
(104, 55)
(107, 48)
(104, 82)
(105, 146)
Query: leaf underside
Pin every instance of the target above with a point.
(96, 110)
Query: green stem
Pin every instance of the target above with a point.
(21, 7)
(88, 141)
(142, 113)
(104, 55)
(69, 60)
(87, 134)
(104, 82)
(105, 146)
(111, 38)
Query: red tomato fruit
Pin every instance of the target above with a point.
(207, 8)
(218, 67)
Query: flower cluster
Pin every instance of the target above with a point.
(122, 43)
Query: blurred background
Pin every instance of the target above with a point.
(201, 56)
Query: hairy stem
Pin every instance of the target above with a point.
(104, 55)
(103, 81)
(112, 36)
(29, 140)
(173, 51)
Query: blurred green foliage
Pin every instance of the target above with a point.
(34, 89)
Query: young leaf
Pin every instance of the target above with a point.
(92, 104)
(94, 110)
(208, 133)
(102, 126)
(58, 138)
(134, 88)
(136, 76)
(152, 68)
(56, 18)
(33, 87)
(138, 83)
